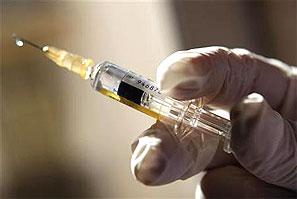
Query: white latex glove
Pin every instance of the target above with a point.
(264, 126)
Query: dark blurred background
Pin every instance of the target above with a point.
(265, 27)
(61, 139)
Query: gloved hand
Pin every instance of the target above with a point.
(264, 126)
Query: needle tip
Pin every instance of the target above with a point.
(21, 41)
(18, 41)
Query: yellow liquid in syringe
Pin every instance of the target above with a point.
(78, 65)
(129, 103)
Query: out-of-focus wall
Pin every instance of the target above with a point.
(60, 138)
(268, 28)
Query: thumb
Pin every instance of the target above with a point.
(264, 142)
(159, 157)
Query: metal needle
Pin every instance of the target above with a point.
(20, 42)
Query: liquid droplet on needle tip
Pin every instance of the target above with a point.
(19, 43)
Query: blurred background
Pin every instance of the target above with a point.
(59, 138)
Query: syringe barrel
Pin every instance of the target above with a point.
(144, 95)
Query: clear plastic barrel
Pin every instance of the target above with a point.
(144, 95)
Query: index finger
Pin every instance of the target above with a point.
(222, 76)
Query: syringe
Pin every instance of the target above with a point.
(140, 93)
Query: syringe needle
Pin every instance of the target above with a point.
(62, 58)
(20, 42)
